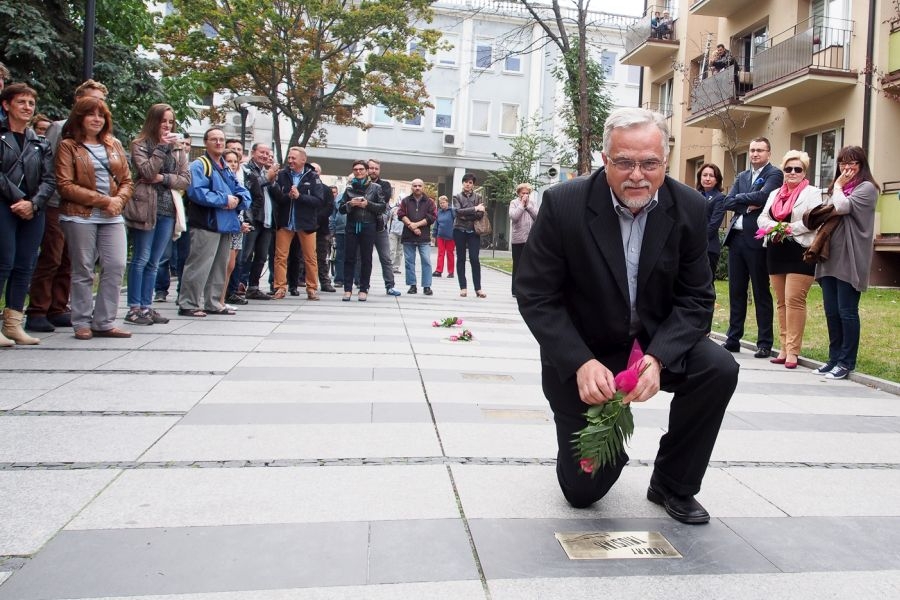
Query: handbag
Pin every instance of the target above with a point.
(483, 225)
(180, 221)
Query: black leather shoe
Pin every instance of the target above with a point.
(294, 292)
(39, 323)
(763, 352)
(428, 291)
(412, 290)
(328, 288)
(732, 346)
(685, 509)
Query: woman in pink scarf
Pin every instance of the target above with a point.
(786, 238)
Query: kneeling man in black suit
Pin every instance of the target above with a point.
(613, 257)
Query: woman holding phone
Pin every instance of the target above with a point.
(161, 166)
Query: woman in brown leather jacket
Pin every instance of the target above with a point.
(94, 184)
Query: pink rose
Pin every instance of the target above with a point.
(626, 380)
(587, 465)
(453, 338)
(435, 324)
(761, 233)
(458, 321)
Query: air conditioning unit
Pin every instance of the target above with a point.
(451, 141)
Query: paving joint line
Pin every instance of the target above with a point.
(394, 461)
(92, 413)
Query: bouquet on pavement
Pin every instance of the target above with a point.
(610, 425)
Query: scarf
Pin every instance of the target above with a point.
(784, 201)
(850, 185)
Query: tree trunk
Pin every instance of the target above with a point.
(584, 114)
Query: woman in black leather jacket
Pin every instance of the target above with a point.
(362, 202)
(26, 182)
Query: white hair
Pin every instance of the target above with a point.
(626, 118)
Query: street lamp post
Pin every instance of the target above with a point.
(241, 104)
(90, 22)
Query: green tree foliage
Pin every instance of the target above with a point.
(315, 61)
(587, 101)
(41, 43)
(526, 150)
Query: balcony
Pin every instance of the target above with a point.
(891, 80)
(808, 61)
(646, 44)
(716, 8)
(716, 103)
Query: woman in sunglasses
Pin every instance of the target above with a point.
(845, 275)
(786, 239)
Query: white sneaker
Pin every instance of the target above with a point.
(231, 307)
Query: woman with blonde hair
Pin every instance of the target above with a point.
(786, 239)
(522, 213)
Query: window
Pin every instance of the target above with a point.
(447, 57)
(380, 116)
(509, 119)
(634, 75)
(665, 96)
(483, 54)
(415, 49)
(481, 116)
(512, 64)
(822, 148)
(414, 122)
(608, 64)
(443, 113)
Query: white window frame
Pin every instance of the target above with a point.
(814, 142)
(377, 110)
(518, 71)
(518, 108)
(407, 124)
(481, 43)
(487, 114)
(449, 59)
(449, 126)
(611, 74)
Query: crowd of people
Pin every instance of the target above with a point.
(74, 200)
(786, 234)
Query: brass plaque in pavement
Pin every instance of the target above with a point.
(488, 376)
(603, 545)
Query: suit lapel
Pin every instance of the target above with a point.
(604, 227)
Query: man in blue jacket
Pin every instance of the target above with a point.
(746, 255)
(214, 199)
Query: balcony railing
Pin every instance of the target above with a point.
(648, 29)
(665, 109)
(717, 89)
(816, 43)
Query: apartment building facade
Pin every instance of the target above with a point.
(812, 75)
(498, 71)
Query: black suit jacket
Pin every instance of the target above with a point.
(745, 193)
(571, 284)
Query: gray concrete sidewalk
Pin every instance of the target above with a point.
(334, 450)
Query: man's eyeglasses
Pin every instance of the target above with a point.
(624, 165)
(793, 169)
(849, 163)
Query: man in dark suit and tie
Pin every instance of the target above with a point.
(746, 255)
(613, 257)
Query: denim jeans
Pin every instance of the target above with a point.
(174, 257)
(409, 257)
(19, 243)
(841, 302)
(339, 245)
(148, 247)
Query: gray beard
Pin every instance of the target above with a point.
(635, 204)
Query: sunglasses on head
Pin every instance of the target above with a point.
(793, 169)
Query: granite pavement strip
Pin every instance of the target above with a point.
(347, 450)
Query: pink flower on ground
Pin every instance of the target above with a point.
(458, 321)
(435, 324)
(453, 338)
(587, 465)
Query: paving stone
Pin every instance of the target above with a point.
(34, 505)
(232, 391)
(34, 358)
(198, 362)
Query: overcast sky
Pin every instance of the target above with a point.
(621, 7)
